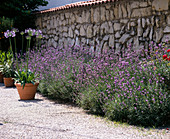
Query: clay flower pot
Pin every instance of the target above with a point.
(29, 91)
(1, 77)
(9, 82)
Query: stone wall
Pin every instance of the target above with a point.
(108, 26)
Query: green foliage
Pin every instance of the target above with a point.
(5, 24)
(131, 89)
(62, 88)
(91, 101)
(25, 77)
(2, 60)
(21, 11)
(6, 64)
(11, 8)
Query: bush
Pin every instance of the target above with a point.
(131, 88)
(5, 23)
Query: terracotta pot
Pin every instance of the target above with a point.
(1, 77)
(9, 82)
(28, 92)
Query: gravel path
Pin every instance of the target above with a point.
(45, 119)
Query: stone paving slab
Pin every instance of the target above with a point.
(45, 119)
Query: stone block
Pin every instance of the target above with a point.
(105, 48)
(116, 12)
(151, 34)
(87, 17)
(124, 38)
(92, 15)
(117, 48)
(143, 22)
(160, 5)
(159, 35)
(111, 30)
(141, 12)
(157, 21)
(108, 6)
(89, 31)
(65, 29)
(117, 26)
(148, 22)
(124, 21)
(120, 11)
(103, 13)
(82, 31)
(73, 19)
(107, 15)
(168, 19)
(165, 37)
(96, 15)
(117, 35)
(95, 30)
(132, 24)
(83, 41)
(111, 41)
(62, 17)
(105, 38)
(77, 32)
(67, 15)
(111, 15)
(65, 34)
(143, 4)
(139, 28)
(167, 29)
(79, 18)
(128, 9)
(70, 33)
(134, 4)
(145, 34)
(124, 11)
(77, 42)
(104, 29)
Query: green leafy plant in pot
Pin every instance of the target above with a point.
(25, 80)
(2, 62)
(7, 69)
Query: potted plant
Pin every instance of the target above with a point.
(26, 84)
(24, 78)
(1, 77)
(8, 74)
(7, 69)
(2, 60)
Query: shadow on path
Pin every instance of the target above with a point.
(31, 101)
(1, 84)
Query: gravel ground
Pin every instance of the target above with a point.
(45, 119)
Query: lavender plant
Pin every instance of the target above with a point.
(133, 88)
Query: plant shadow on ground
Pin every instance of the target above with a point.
(118, 123)
(58, 101)
(126, 124)
(31, 101)
(3, 86)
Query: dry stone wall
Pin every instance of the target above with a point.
(108, 26)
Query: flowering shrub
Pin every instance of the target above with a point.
(133, 88)
(23, 74)
(166, 56)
